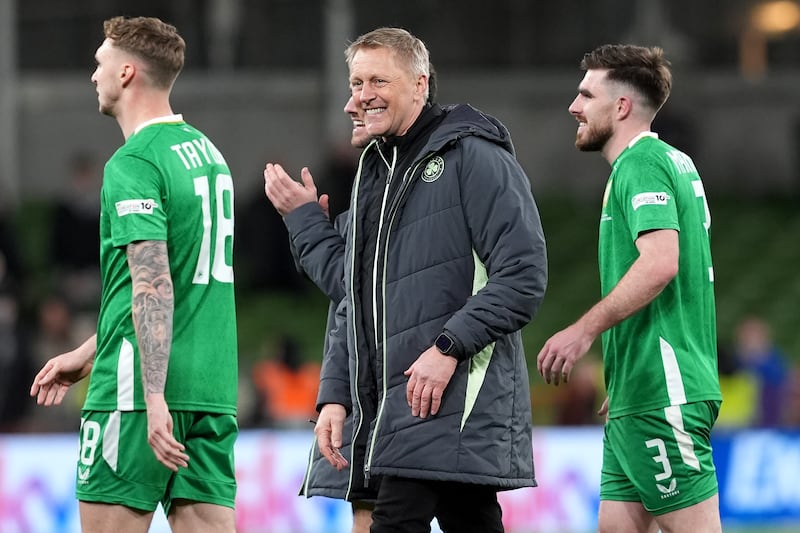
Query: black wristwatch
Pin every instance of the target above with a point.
(445, 344)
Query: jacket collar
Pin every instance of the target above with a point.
(425, 119)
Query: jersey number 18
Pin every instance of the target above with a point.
(221, 227)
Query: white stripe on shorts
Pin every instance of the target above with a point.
(684, 440)
(111, 440)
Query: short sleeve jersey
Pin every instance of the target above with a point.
(666, 353)
(168, 182)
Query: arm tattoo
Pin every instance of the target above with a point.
(153, 308)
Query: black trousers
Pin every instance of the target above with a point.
(408, 505)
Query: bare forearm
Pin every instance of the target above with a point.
(655, 267)
(153, 309)
(633, 292)
(88, 349)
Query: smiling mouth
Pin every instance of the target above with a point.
(375, 111)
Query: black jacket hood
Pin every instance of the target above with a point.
(462, 120)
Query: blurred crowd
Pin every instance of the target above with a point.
(760, 383)
(41, 318)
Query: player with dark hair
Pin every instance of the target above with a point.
(657, 316)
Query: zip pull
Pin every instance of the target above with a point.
(366, 476)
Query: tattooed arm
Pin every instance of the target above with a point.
(153, 308)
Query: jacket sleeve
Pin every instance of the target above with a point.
(318, 247)
(334, 376)
(508, 240)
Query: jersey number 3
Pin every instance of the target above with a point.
(220, 227)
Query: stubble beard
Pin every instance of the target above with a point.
(595, 139)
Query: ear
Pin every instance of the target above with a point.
(624, 107)
(126, 73)
(422, 86)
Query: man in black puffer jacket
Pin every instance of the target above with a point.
(445, 262)
(317, 245)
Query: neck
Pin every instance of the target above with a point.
(413, 120)
(621, 139)
(140, 110)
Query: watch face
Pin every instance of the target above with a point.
(444, 343)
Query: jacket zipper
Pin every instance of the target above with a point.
(393, 208)
(353, 229)
(387, 186)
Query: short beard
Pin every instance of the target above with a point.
(595, 139)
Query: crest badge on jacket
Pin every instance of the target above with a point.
(433, 169)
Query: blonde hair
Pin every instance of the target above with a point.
(410, 50)
(155, 42)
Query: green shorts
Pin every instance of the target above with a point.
(117, 466)
(661, 458)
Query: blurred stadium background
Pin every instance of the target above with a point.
(266, 80)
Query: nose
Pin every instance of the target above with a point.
(350, 106)
(574, 107)
(366, 94)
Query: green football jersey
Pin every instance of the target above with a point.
(666, 353)
(168, 182)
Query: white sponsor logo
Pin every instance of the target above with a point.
(83, 474)
(668, 490)
(138, 207)
(649, 198)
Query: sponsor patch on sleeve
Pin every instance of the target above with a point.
(135, 207)
(649, 198)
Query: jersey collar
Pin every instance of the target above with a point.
(641, 136)
(158, 120)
